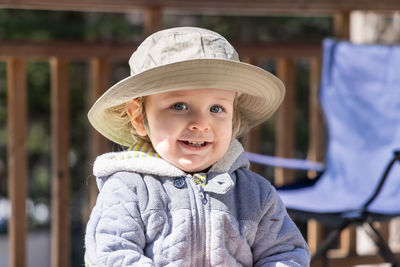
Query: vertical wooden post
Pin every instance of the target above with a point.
(384, 229)
(315, 231)
(342, 30)
(348, 244)
(60, 127)
(100, 78)
(316, 139)
(315, 235)
(285, 128)
(153, 20)
(341, 24)
(17, 159)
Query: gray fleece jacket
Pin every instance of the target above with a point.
(149, 213)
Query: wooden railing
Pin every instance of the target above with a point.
(237, 7)
(100, 56)
(60, 55)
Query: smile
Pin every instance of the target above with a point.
(195, 144)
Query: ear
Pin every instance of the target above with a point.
(134, 110)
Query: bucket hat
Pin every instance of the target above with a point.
(186, 58)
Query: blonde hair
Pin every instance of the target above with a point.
(121, 112)
(237, 120)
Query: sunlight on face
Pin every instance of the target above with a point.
(191, 129)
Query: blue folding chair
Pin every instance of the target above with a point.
(360, 97)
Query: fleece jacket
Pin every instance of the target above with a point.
(150, 213)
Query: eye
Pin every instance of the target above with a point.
(179, 106)
(216, 109)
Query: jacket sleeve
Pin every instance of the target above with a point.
(278, 241)
(115, 232)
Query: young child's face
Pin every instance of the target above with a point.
(191, 129)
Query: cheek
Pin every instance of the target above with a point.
(224, 127)
(161, 128)
(163, 138)
(224, 136)
(162, 147)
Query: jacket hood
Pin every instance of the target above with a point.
(150, 163)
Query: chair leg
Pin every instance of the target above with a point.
(322, 249)
(384, 249)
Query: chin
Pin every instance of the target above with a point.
(191, 170)
(195, 169)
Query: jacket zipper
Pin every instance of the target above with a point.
(201, 201)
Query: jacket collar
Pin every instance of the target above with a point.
(148, 162)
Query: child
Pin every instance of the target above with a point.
(183, 195)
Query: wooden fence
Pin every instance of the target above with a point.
(100, 56)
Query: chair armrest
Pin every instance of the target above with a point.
(298, 164)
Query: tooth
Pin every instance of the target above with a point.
(196, 143)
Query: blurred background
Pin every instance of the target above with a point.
(127, 30)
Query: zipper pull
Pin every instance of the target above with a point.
(203, 196)
(200, 180)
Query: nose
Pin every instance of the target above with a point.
(199, 122)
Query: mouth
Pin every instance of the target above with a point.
(195, 144)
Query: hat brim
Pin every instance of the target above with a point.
(261, 92)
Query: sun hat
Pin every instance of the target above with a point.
(187, 58)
